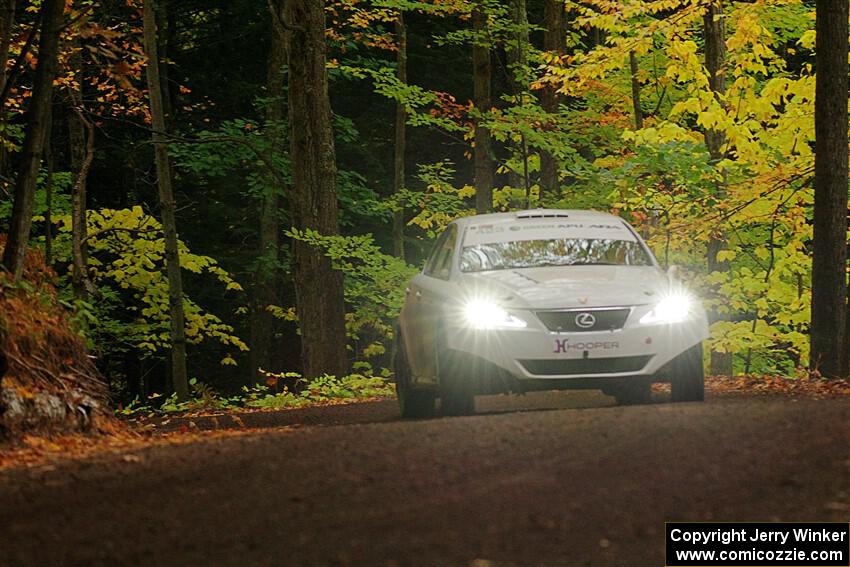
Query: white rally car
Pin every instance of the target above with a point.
(543, 300)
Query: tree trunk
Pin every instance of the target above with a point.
(517, 62)
(400, 137)
(179, 378)
(714, 28)
(482, 153)
(554, 41)
(163, 37)
(517, 52)
(266, 278)
(633, 65)
(48, 192)
(36, 129)
(845, 342)
(829, 259)
(81, 138)
(81, 283)
(7, 20)
(318, 286)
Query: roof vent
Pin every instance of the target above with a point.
(542, 214)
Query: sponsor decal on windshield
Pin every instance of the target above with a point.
(487, 228)
(517, 231)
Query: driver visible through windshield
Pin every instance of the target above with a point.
(518, 254)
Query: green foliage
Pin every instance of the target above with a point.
(237, 143)
(127, 266)
(60, 201)
(321, 390)
(358, 201)
(374, 286)
(250, 154)
(440, 203)
(756, 199)
(418, 102)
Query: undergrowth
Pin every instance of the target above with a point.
(268, 395)
(43, 357)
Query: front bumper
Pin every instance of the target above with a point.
(536, 353)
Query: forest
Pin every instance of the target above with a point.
(214, 198)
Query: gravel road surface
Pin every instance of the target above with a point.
(544, 479)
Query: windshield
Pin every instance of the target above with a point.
(552, 252)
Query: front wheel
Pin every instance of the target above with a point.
(456, 389)
(687, 383)
(413, 403)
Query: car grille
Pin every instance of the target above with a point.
(585, 366)
(566, 321)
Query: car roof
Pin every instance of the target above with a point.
(571, 214)
(537, 224)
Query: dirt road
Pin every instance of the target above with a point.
(547, 479)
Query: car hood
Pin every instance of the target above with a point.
(569, 286)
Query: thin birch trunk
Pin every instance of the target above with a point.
(179, 378)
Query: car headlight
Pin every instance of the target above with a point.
(672, 309)
(487, 315)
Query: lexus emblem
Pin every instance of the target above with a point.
(585, 320)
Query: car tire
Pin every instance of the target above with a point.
(633, 393)
(413, 403)
(457, 396)
(687, 381)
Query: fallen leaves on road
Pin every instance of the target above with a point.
(35, 451)
(811, 386)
